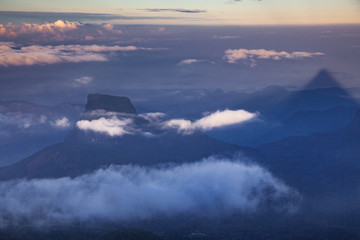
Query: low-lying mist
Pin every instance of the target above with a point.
(214, 186)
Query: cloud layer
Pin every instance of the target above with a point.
(59, 30)
(233, 55)
(13, 121)
(181, 10)
(14, 30)
(10, 55)
(118, 124)
(213, 186)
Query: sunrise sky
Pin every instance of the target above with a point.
(205, 12)
(56, 50)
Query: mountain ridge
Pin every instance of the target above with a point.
(84, 151)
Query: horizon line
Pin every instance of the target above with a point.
(190, 21)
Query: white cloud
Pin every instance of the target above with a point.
(226, 37)
(180, 10)
(109, 126)
(193, 60)
(61, 123)
(59, 31)
(114, 124)
(214, 120)
(27, 125)
(36, 54)
(82, 81)
(25, 120)
(118, 124)
(189, 61)
(233, 55)
(110, 28)
(155, 116)
(14, 30)
(212, 186)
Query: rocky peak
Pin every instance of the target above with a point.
(109, 103)
(323, 79)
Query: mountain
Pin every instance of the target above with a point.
(130, 234)
(304, 123)
(109, 103)
(26, 128)
(319, 165)
(323, 79)
(143, 143)
(320, 106)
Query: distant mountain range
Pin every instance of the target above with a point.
(308, 162)
(319, 164)
(85, 151)
(310, 139)
(322, 105)
(26, 128)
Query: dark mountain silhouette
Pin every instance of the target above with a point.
(109, 103)
(130, 234)
(83, 152)
(322, 105)
(323, 92)
(323, 79)
(304, 123)
(318, 165)
(26, 128)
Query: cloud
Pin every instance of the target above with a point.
(82, 81)
(58, 31)
(6, 45)
(61, 123)
(189, 61)
(155, 116)
(14, 121)
(213, 120)
(211, 186)
(89, 38)
(113, 127)
(118, 124)
(193, 60)
(114, 124)
(110, 28)
(233, 55)
(36, 54)
(226, 37)
(181, 10)
(14, 30)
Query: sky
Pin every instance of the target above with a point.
(205, 12)
(54, 52)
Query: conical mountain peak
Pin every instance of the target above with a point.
(323, 79)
